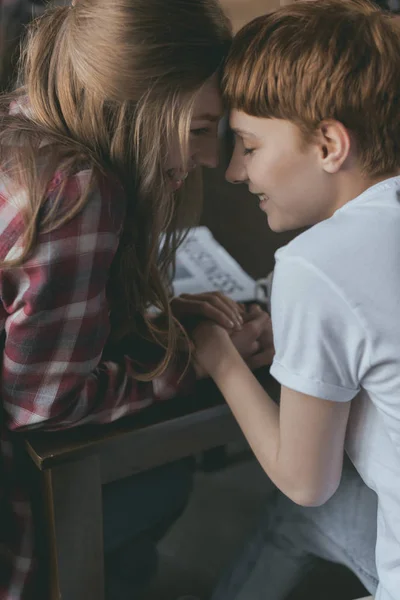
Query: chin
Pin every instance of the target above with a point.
(277, 226)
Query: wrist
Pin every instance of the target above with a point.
(211, 344)
(228, 362)
(200, 372)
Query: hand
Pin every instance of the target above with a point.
(213, 306)
(213, 345)
(266, 351)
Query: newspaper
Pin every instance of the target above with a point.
(203, 265)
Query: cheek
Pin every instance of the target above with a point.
(196, 146)
(208, 145)
(173, 156)
(257, 170)
(266, 172)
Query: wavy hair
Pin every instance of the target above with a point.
(107, 85)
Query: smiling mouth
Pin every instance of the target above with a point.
(177, 176)
(262, 201)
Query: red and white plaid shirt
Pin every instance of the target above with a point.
(54, 319)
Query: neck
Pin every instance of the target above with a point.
(353, 183)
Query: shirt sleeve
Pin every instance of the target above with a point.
(320, 342)
(57, 325)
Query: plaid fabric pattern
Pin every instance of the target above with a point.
(54, 321)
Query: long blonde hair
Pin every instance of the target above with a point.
(107, 84)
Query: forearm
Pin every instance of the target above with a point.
(255, 411)
(299, 444)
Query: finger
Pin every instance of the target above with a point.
(254, 310)
(242, 308)
(226, 305)
(199, 305)
(266, 339)
(249, 350)
(254, 348)
(262, 359)
(230, 304)
(267, 331)
(263, 318)
(257, 325)
(209, 311)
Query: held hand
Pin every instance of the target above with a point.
(248, 341)
(266, 351)
(210, 305)
(213, 345)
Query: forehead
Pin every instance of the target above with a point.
(241, 121)
(259, 127)
(209, 100)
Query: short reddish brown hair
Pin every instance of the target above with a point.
(310, 61)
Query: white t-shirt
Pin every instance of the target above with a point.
(336, 322)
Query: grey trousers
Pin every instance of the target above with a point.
(289, 538)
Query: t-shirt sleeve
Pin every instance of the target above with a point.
(320, 341)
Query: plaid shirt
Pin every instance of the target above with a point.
(54, 318)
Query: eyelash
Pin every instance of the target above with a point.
(200, 131)
(248, 151)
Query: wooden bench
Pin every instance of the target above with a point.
(73, 465)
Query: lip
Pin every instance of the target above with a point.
(176, 178)
(263, 203)
(176, 185)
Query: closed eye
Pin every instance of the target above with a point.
(247, 151)
(200, 131)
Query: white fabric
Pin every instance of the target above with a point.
(336, 322)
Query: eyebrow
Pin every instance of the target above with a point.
(241, 132)
(208, 117)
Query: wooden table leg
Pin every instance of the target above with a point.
(74, 504)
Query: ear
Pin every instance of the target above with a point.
(334, 144)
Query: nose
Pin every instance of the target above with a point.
(207, 153)
(236, 172)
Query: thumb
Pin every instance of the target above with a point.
(259, 323)
(262, 359)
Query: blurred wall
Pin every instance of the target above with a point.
(242, 11)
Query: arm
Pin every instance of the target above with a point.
(299, 444)
(321, 357)
(53, 375)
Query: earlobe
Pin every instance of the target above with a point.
(335, 145)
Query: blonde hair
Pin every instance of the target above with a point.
(310, 61)
(108, 84)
